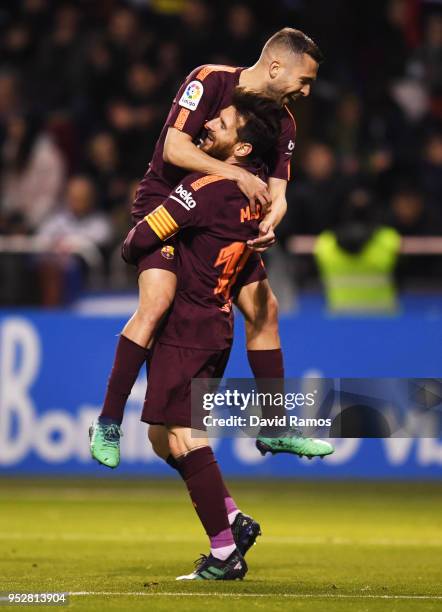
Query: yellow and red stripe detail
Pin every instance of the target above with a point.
(204, 72)
(162, 223)
(205, 180)
(181, 119)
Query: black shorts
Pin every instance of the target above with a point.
(168, 397)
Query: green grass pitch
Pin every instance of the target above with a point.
(118, 545)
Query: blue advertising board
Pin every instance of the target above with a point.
(54, 367)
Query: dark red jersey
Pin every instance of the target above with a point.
(215, 222)
(204, 93)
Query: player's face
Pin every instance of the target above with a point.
(221, 134)
(293, 78)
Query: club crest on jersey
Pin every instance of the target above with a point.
(192, 95)
(168, 252)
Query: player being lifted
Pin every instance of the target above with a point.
(285, 71)
(217, 222)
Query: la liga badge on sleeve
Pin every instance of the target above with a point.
(192, 95)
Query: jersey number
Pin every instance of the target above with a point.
(234, 258)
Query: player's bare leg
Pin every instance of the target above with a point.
(156, 292)
(159, 439)
(259, 306)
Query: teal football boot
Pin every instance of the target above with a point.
(294, 443)
(209, 567)
(105, 442)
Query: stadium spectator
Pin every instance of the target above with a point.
(241, 37)
(18, 47)
(71, 236)
(145, 94)
(346, 134)
(356, 260)
(195, 34)
(427, 59)
(410, 214)
(104, 167)
(169, 64)
(314, 198)
(84, 69)
(33, 172)
(10, 99)
(56, 64)
(124, 41)
(79, 219)
(431, 169)
(98, 78)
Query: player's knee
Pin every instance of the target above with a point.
(177, 448)
(149, 313)
(159, 441)
(153, 437)
(182, 442)
(272, 309)
(267, 312)
(156, 293)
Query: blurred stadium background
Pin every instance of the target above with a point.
(84, 89)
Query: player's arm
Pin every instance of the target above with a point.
(177, 212)
(266, 238)
(279, 177)
(180, 151)
(197, 100)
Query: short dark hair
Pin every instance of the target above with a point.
(262, 121)
(297, 42)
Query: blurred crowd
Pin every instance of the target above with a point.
(85, 87)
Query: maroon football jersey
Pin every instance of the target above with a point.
(215, 221)
(204, 93)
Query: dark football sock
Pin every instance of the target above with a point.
(176, 465)
(231, 507)
(148, 362)
(129, 357)
(173, 463)
(204, 482)
(268, 369)
(266, 364)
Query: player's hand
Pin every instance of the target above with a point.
(266, 238)
(255, 190)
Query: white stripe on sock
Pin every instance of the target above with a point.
(232, 515)
(223, 552)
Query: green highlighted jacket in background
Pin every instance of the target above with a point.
(362, 281)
